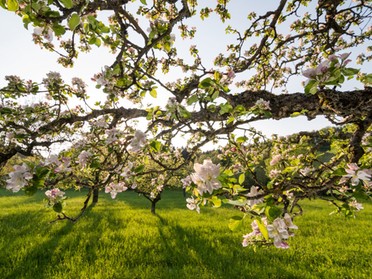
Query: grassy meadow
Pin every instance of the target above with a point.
(122, 239)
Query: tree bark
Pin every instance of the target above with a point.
(95, 194)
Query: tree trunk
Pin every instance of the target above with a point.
(153, 204)
(154, 201)
(95, 195)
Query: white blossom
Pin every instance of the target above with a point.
(138, 141)
(356, 175)
(115, 188)
(193, 204)
(276, 159)
(54, 195)
(205, 177)
(84, 157)
(358, 206)
(253, 193)
(18, 178)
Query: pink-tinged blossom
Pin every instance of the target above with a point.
(46, 33)
(52, 78)
(54, 195)
(138, 142)
(276, 159)
(127, 171)
(358, 206)
(100, 123)
(18, 178)
(84, 157)
(274, 173)
(355, 175)
(253, 193)
(100, 78)
(278, 231)
(52, 159)
(193, 204)
(186, 182)
(64, 165)
(344, 56)
(115, 188)
(205, 177)
(262, 104)
(112, 135)
(306, 171)
(250, 237)
(288, 221)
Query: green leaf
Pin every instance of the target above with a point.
(311, 87)
(57, 207)
(241, 178)
(350, 71)
(98, 42)
(216, 201)
(205, 83)
(12, 5)
(143, 2)
(153, 92)
(235, 223)
(263, 229)
(58, 30)
(156, 145)
(225, 108)
(272, 212)
(67, 3)
(95, 164)
(339, 172)
(74, 21)
(139, 169)
(192, 99)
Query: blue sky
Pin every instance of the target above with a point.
(19, 56)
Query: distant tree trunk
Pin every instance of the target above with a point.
(95, 195)
(153, 203)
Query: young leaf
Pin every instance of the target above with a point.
(12, 5)
(311, 87)
(241, 178)
(74, 21)
(67, 3)
(192, 99)
(263, 229)
(153, 92)
(235, 223)
(57, 207)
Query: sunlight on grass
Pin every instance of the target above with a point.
(122, 239)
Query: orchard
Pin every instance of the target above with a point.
(171, 91)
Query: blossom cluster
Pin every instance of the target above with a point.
(61, 165)
(138, 141)
(115, 188)
(54, 196)
(355, 175)
(278, 231)
(18, 178)
(205, 177)
(321, 72)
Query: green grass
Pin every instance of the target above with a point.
(122, 239)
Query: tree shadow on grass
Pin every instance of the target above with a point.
(27, 257)
(221, 258)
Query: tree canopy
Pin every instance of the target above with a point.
(209, 90)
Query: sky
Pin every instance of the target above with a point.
(20, 56)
